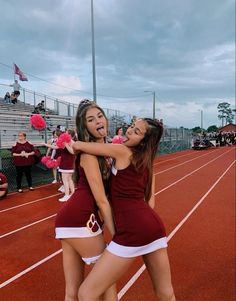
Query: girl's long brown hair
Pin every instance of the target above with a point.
(84, 135)
(144, 153)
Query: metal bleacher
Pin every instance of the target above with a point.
(16, 118)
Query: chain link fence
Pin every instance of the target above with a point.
(173, 140)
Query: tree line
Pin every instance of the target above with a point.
(225, 114)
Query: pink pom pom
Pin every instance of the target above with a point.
(50, 163)
(117, 140)
(45, 159)
(62, 139)
(37, 122)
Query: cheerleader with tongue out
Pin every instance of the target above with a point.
(139, 230)
(79, 223)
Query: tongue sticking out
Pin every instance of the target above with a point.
(102, 131)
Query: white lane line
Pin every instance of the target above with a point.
(167, 187)
(175, 166)
(35, 188)
(22, 228)
(28, 203)
(143, 267)
(30, 268)
(189, 174)
(190, 153)
(27, 226)
(124, 289)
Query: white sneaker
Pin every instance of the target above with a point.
(54, 181)
(61, 189)
(65, 198)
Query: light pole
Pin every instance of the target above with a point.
(201, 120)
(93, 55)
(153, 104)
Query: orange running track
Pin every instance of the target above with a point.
(195, 197)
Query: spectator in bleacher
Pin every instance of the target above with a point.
(40, 108)
(16, 88)
(23, 159)
(13, 98)
(3, 186)
(7, 98)
(62, 128)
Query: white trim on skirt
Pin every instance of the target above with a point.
(75, 232)
(66, 170)
(124, 251)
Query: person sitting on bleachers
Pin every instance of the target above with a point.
(3, 186)
(40, 108)
(13, 98)
(7, 98)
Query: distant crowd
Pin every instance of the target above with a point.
(217, 138)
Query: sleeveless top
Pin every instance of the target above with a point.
(77, 211)
(137, 224)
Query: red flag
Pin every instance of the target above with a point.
(17, 71)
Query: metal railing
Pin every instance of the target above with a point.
(63, 113)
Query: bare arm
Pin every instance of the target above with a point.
(119, 152)
(18, 155)
(151, 202)
(93, 175)
(69, 147)
(48, 149)
(50, 145)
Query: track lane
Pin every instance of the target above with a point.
(16, 247)
(60, 263)
(206, 216)
(16, 199)
(22, 216)
(20, 213)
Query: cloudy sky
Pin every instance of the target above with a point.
(184, 50)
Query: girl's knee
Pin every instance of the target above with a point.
(71, 296)
(166, 294)
(84, 294)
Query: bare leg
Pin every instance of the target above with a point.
(65, 183)
(73, 271)
(158, 267)
(108, 269)
(54, 172)
(89, 247)
(71, 184)
(110, 294)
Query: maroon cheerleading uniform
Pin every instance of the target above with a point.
(139, 230)
(67, 161)
(79, 215)
(3, 185)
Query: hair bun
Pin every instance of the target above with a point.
(84, 103)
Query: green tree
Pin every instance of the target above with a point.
(212, 128)
(116, 121)
(196, 129)
(225, 113)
